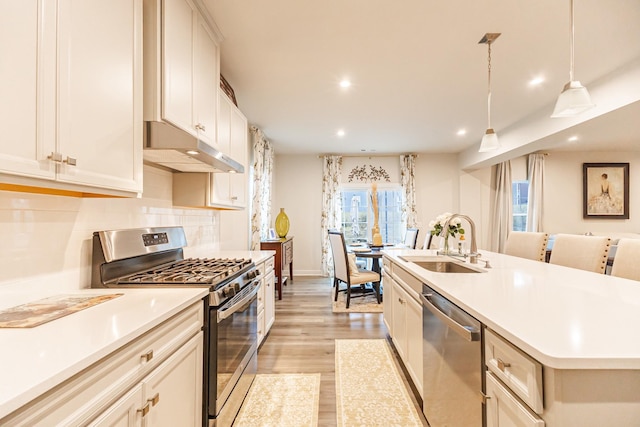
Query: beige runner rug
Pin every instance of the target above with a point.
(369, 389)
(285, 400)
(367, 304)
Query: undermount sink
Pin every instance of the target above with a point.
(439, 265)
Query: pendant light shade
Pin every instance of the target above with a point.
(490, 139)
(574, 98)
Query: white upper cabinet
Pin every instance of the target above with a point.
(230, 189)
(181, 68)
(25, 62)
(71, 79)
(219, 190)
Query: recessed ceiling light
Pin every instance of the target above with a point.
(536, 81)
(340, 133)
(461, 132)
(572, 138)
(344, 83)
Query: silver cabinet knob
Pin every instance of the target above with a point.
(70, 161)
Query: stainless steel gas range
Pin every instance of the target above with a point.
(153, 257)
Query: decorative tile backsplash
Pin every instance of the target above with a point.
(45, 240)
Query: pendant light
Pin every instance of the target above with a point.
(574, 98)
(490, 139)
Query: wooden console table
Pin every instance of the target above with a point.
(284, 257)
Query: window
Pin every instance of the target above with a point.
(520, 192)
(357, 216)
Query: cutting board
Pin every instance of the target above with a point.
(38, 312)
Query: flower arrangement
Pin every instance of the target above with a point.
(454, 226)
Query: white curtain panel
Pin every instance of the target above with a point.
(261, 198)
(408, 182)
(535, 175)
(331, 207)
(502, 218)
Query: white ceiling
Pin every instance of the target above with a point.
(417, 69)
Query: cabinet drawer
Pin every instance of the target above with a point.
(261, 295)
(412, 285)
(91, 391)
(519, 371)
(287, 252)
(268, 265)
(503, 408)
(386, 263)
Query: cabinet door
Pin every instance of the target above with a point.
(26, 60)
(126, 412)
(505, 410)
(387, 302)
(399, 303)
(206, 82)
(269, 301)
(179, 20)
(100, 93)
(238, 151)
(220, 181)
(414, 360)
(174, 389)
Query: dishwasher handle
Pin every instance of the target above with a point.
(464, 332)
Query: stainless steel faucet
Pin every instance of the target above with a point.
(473, 254)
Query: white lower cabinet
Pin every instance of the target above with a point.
(407, 330)
(170, 396)
(154, 380)
(125, 412)
(266, 299)
(387, 300)
(504, 409)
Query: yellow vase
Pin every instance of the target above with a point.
(282, 224)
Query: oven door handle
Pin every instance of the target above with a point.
(235, 307)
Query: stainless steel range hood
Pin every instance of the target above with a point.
(168, 146)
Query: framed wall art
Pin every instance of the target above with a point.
(605, 190)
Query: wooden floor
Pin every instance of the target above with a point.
(302, 338)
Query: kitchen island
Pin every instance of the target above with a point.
(579, 327)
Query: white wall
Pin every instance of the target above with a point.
(298, 188)
(563, 193)
(46, 240)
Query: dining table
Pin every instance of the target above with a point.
(369, 252)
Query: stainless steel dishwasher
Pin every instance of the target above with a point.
(452, 364)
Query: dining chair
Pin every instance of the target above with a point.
(346, 271)
(627, 260)
(582, 252)
(411, 238)
(427, 241)
(525, 244)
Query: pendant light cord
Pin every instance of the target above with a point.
(489, 88)
(572, 41)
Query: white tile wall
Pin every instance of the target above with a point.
(45, 241)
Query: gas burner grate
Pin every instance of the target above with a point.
(191, 271)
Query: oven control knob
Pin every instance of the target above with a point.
(229, 291)
(236, 287)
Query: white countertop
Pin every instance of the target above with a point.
(563, 317)
(33, 360)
